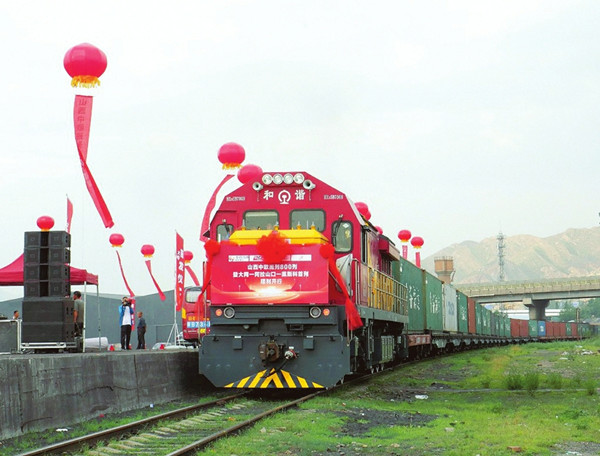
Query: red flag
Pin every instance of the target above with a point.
(82, 118)
(69, 214)
(179, 272)
(160, 293)
(209, 207)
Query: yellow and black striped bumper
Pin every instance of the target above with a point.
(275, 379)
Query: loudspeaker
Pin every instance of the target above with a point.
(36, 255)
(47, 320)
(60, 255)
(36, 239)
(59, 239)
(47, 288)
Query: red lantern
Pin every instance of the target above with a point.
(404, 235)
(45, 223)
(187, 256)
(231, 155)
(85, 63)
(147, 250)
(417, 242)
(116, 240)
(249, 173)
(363, 210)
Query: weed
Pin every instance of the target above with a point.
(590, 386)
(513, 381)
(554, 380)
(531, 381)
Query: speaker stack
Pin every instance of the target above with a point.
(47, 304)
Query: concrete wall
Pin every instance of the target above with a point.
(39, 392)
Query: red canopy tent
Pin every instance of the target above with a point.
(12, 275)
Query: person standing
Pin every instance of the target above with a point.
(78, 313)
(125, 319)
(141, 331)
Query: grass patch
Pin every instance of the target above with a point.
(461, 414)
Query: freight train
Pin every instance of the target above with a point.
(303, 290)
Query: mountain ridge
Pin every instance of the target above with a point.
(573, 253)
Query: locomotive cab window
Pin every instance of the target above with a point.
(307, 218)
(261, 220)
(192, 294)
(224, 231)
(341, 233)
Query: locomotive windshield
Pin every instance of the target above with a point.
(342, 236)
(307, 218)
(261, 220)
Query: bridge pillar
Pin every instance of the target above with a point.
(537, 308)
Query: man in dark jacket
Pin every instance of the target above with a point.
(141, 331)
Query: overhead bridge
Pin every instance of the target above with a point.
(534, 294)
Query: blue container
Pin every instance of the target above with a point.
(541, 325)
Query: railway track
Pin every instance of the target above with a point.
(179, 432)
(183, 431)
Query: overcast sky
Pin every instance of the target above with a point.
(455, 120)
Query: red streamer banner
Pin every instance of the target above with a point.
(209, 207)
(123, 275)
(352, 315)
(69, 214)
(82, 118)
(192, 275)
(179, 272)
(160, 293)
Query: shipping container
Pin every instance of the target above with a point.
(433, 303)
(506, 326)
(472, 318)
(524, 328)
(450, 308)
(574, 330)
(463, 313)
(412, 277)
(549, 329)
(533, 328)
(514, 328)
(541, 324)
(562, 329)
(485, 315)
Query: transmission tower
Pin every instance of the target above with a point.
(501, 247)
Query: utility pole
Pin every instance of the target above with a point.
(501, 246)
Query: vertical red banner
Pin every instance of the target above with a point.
(82, 118)
(69, 214)
(179, 272)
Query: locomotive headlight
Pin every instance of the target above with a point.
(298, 178)
(277, 179)
(288, 178)
(219, 312)
(315, 312)
(326, 312)
(229, 312)
(267, 179)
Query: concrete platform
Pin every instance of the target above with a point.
(43, 391)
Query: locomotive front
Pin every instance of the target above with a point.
(277, 311)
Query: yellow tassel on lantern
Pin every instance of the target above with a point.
(230, 166)
(85, 81)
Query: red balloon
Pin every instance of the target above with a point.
(116, 240)
(404, 235)
(45, 223)
(147, 250)
(187, 256)
(249, 173)
(363, 210)
(231, 155)
(85, 63)
(417, 242)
